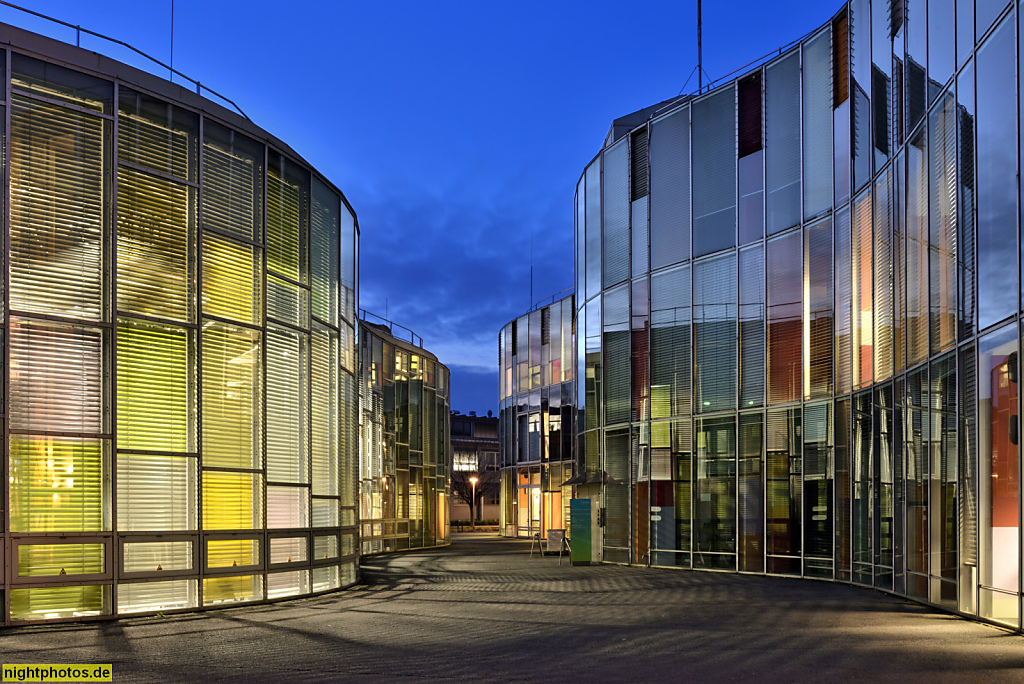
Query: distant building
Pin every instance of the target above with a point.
(475, 454)
(403, 424)
(536, 412)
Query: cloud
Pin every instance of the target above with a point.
(455, 268)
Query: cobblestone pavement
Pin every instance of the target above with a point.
(484, 610)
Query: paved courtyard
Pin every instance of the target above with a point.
(483, 610)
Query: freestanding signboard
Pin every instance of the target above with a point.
(580, 528)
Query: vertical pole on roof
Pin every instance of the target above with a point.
(172, 42)
(700, 50)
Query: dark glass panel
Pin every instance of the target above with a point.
(915, 445)
(916, 64)
(751, 494)
(581, 240)
(638, 236)
(593, 230)
(593, 373)
(616, 213)
(843, 490)
(841, 141)
(917, 250)
(751, 188)
(671, 489)
(156, 134)
(616, 355)
(942, 195)
(844, 301)
(882, 24)
(616, 496)
(752, 322)
(818, 473)
(671, 359)
(883, 512)
(782, 134)
(639, 348)
(818, 291)
(988, 12)
(968, 471)
(670, 189)
(964, 30)
(860, 89)
(783, 489)
(715, 500)
(943, 494)
(862, 492)
(750, 115)
(232, 182)
(899, 264)
(941, 44)
(714, 317)
(817, 122)
(62, 84)
(997, 198)
(785, 311)
(714, 188)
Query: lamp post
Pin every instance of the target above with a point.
(472, 509)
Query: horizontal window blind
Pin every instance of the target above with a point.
(231, 281)
(232, 589)
(325, 245)
(324, 408)
(232, 501)
(231, 553)
(817, 124)
(752, 326)
(232, 181)
(157, 556)
(671, 358)
(287, 406)
(714, 188)
(58, 159)
(287, 199)
(287, 302)
(57, 484)
(41, 560)
(40, 603)
(670, 189)
(60, 83)
(156, 493)
(326, 578)
(139, 597)
(325, 547)
(287, 549)
(282, 584)
(56, 377)
(714, 318)
(155, 387)
(616, 213)
(154, 246)
(232, 390)
(325, 512)
(155, 134)
(782, 154)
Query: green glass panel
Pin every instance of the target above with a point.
(37, 560)
(57, 484)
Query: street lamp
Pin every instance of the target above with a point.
(472, 509)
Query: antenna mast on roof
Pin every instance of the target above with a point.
(171, 65)
(700, 49)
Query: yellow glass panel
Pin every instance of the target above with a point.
(154, 239)
(57, 484)
(284, 212)
(46, 603)
(231, 396)
(231, 501)
(38, 560)
(154, 403)
(232, 287)
(230, 553)
(232, 589)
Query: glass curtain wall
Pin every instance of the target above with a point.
(824, 318)
(154, 250)
(406, 435)
(536, 409)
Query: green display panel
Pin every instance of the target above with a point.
(580, 527)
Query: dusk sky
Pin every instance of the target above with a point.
(456, 129)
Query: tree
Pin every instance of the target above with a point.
(488, 481)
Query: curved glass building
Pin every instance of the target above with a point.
(798, 313)
(178, 360)
(535, 353)
(404, 396)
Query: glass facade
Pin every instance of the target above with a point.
(820, 375)
(535, 418)
(404, 424)
(178, 380)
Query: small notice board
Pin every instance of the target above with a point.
(555, 540)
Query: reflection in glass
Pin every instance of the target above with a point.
(714, 318)
(785, 311)
(714, 188)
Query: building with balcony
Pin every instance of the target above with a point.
(798, 315)
(179, 358)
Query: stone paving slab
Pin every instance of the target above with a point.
(484, 610)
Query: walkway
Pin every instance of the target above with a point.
(483, 610)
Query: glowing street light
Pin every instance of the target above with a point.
(472, 509)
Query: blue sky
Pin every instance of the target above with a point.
(455, 129)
